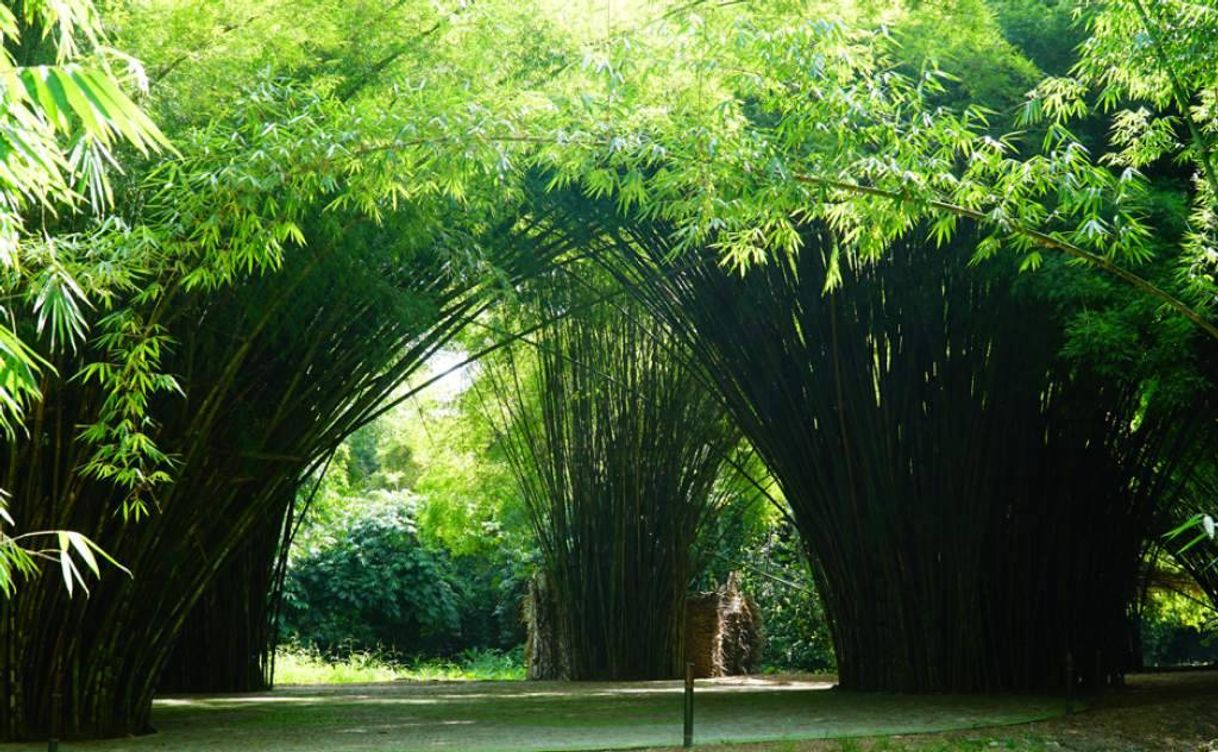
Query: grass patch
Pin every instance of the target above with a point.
(298, 666)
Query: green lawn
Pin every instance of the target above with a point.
(525, 716)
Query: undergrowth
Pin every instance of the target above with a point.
(296, 665)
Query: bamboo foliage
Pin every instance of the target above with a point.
(974, 508)
(616, 447)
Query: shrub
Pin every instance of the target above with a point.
(372, 585)
(796, 633)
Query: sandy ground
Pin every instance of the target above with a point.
(1158, 712)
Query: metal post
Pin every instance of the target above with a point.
(56, 710)
(689, 705)
(1069, 683)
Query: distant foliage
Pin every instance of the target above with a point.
(489, 595)
(373, 586)
(796, 631)
(428, 461)
(368, 575)
(1178, 629)
(302, 666)
(1044, 30)
(766, 553)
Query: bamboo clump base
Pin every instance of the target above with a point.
(723, 634)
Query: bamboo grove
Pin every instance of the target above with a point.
(259, 298)
(942, 462)
(617, 448)
(288, 366)
(806, 245)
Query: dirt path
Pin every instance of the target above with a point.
(535, 716)
(1175, 712)
(1158, 712)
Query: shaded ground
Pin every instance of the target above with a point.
(534, 716)
(1159, 712)
(1175, 712)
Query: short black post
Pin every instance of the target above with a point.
(1070, 683)
(689, 705)
(56, 710)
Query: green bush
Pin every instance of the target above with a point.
(489, 593)
(371, 585)
(364, 580)
(1178, 629)
(796, 633)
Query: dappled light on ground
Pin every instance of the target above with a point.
(528, 716)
